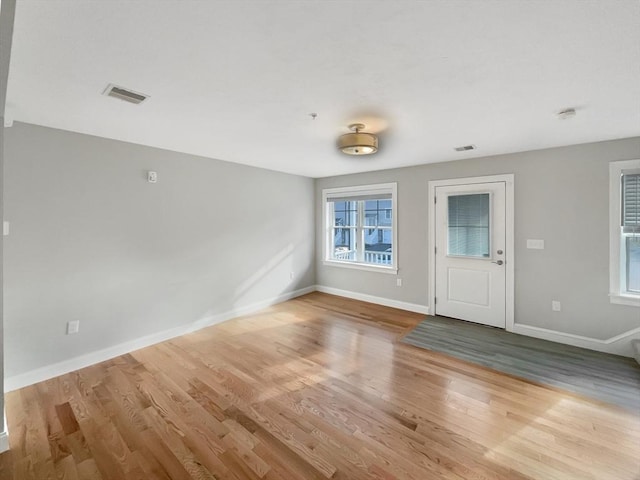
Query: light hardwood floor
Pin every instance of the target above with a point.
(317, 387)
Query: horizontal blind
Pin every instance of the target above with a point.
(630, 202)
(354, 198)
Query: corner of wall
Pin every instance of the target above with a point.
(41, 374)
(7, 15)
(635, 347)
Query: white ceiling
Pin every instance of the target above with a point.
(237, 80)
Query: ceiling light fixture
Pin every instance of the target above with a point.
(357, 142)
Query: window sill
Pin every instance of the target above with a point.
(621, 299)
(361, 266)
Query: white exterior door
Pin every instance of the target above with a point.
(470, 252)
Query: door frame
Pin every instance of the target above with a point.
(508, 180)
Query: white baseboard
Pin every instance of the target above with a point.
(4, 441)
(44, 373)
(618, 345)
(387, 302)
(635, 347)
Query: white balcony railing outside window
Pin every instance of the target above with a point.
(376, 258)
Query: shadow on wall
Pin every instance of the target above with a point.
(245, 299)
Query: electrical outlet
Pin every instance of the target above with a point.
(291, 275)
(152, 177)
(73, 326)
(556, 306)
(398, 282)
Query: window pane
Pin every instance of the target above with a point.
(378, 212)
(345, 214)
(631, 202)
(344, 241)
(468, 225)
(345, 219)
(633, 264)
(378, 246)
(384, 204)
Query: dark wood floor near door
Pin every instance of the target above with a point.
(317, 387)
(601, 376)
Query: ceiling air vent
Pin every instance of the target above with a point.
(124, 94)
(465, 148)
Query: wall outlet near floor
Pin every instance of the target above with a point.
(398, 282)
(73, 326)
(291, 275)
(556, 306)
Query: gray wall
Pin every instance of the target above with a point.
(7, 14)
(91, 240)
(561, 196)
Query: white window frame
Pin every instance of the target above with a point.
(617, 271)
(327, 219)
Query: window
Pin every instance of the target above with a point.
(625, 232)
(360, 226)
(468, 225)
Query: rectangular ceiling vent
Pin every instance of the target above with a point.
(465, 148)
(124, 94)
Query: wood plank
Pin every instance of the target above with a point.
(317, 387)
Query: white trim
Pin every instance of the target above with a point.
(4, 441)
(632, 300)
(327, 222)
(615, 273)
(44, 373)
(508, 179)
(373, 189)
(619, 345)
(387, 302)
(635, 347)
(361, 266)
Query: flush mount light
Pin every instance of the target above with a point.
(357, 142)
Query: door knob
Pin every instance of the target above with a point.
(499, 262)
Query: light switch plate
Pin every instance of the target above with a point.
(535, 244)
(73, 327)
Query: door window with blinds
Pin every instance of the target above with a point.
(625, 230)
(468, 227)
(360, 227)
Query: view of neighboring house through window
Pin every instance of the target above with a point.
(625, 231)
(360, 226)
